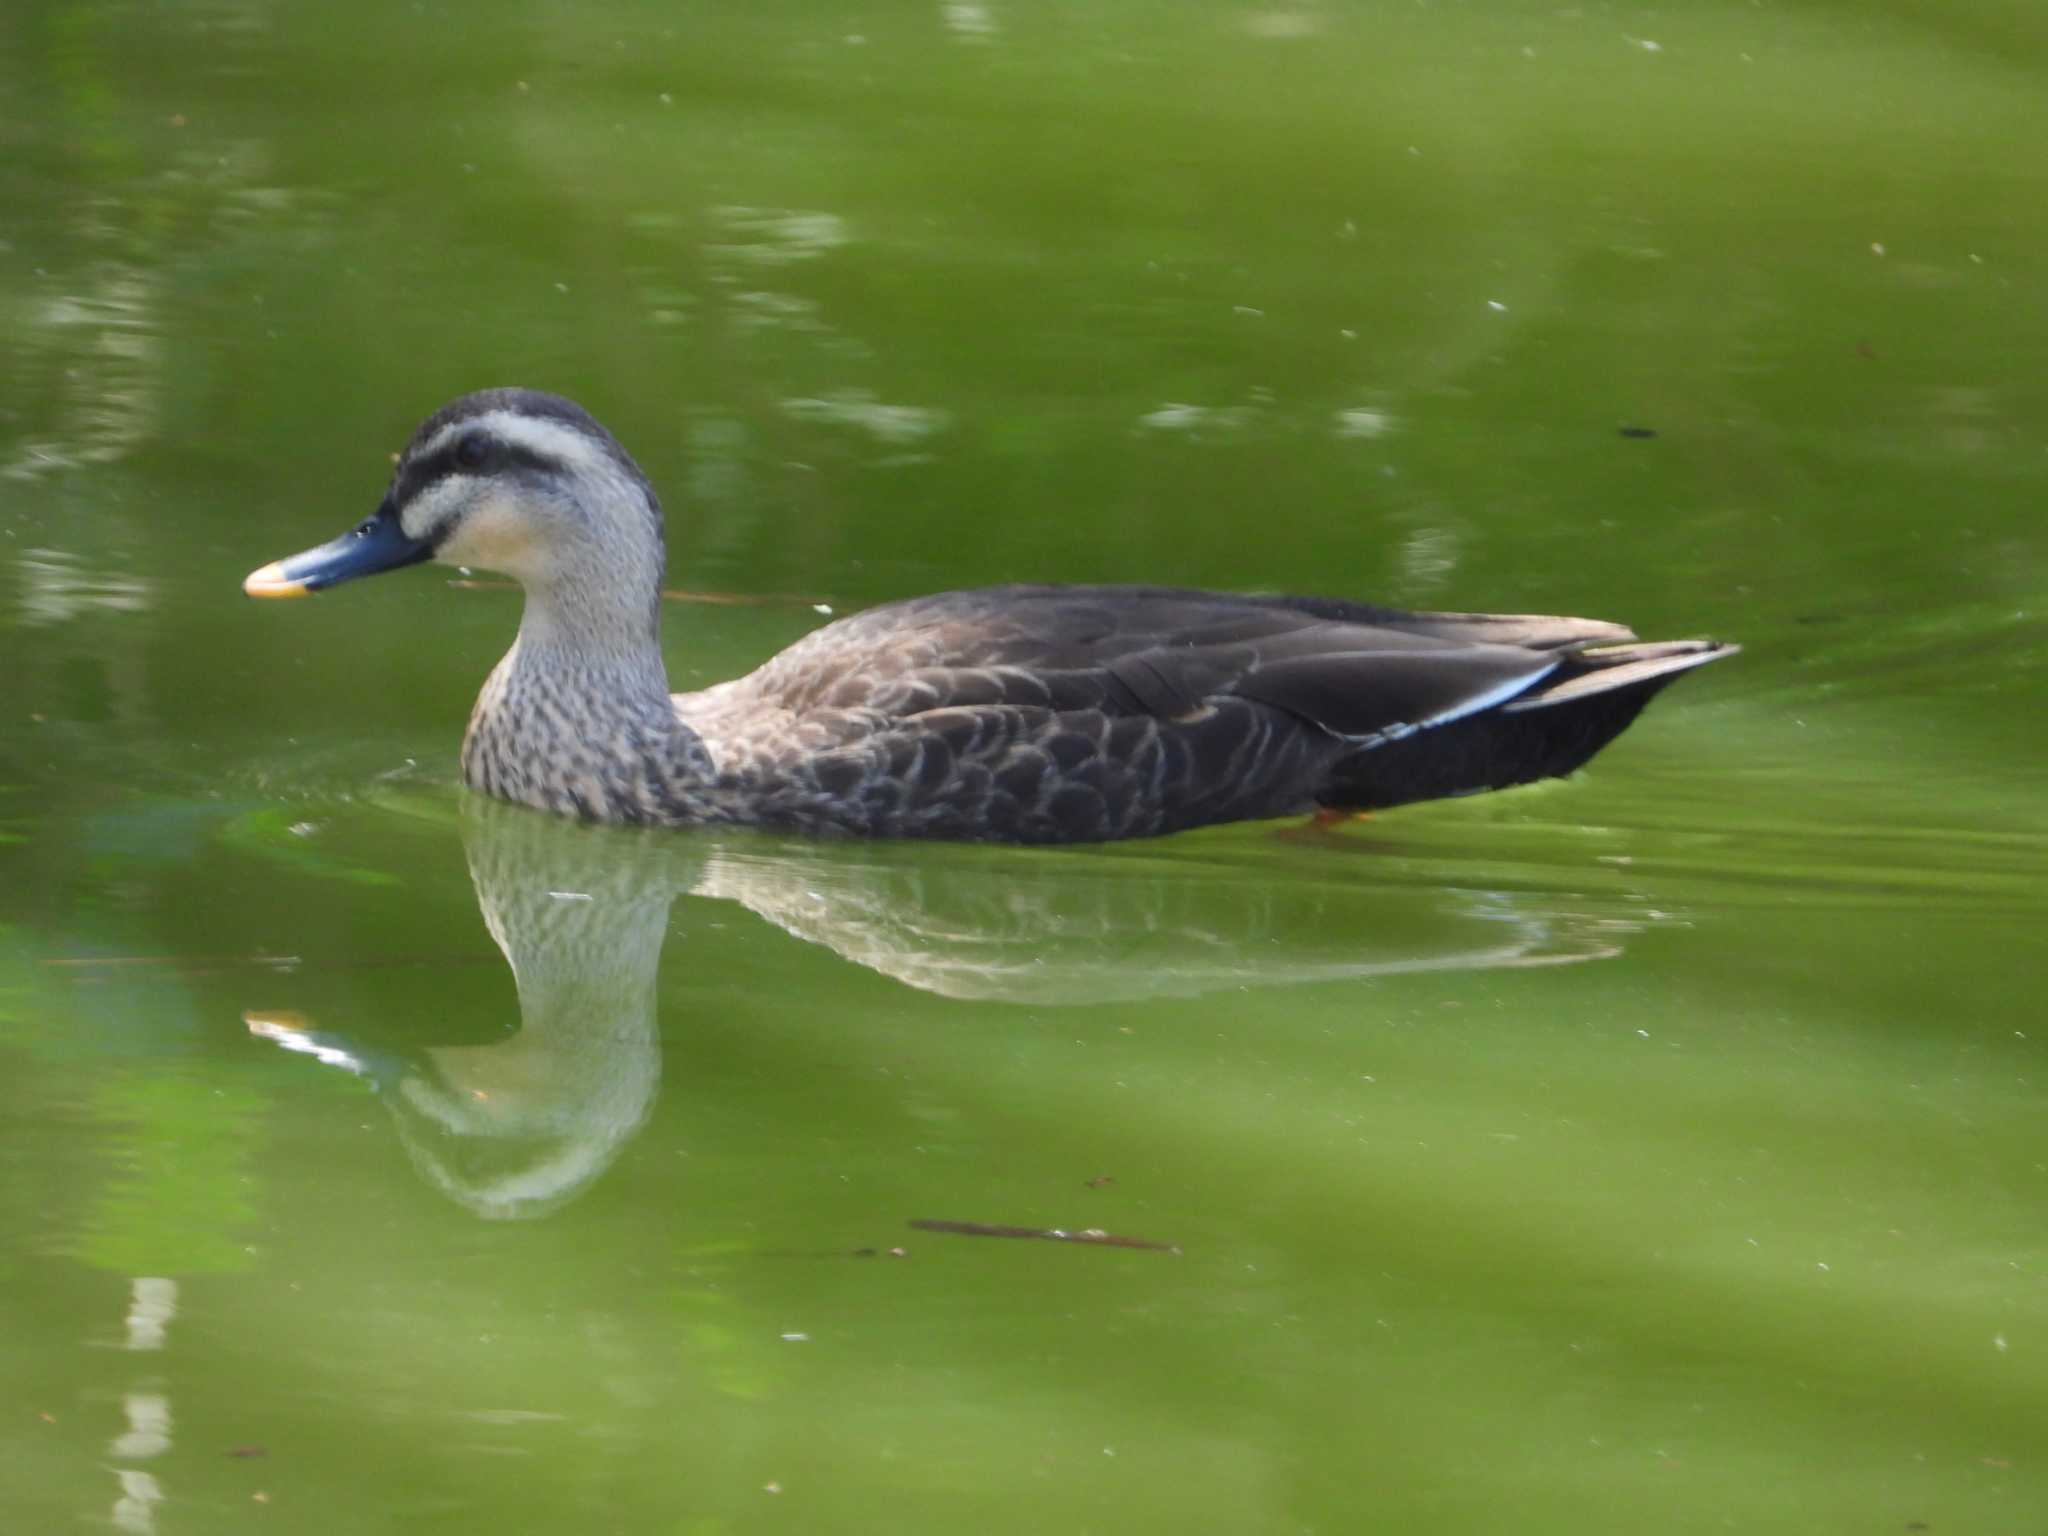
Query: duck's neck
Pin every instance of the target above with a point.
(599, 627)
(577, 718)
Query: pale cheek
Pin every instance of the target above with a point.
(491, 541)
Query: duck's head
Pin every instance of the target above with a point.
(508, 480)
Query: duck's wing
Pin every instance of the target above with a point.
(1353, 671)
(1063, 714)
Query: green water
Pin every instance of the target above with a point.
(1657, 1151)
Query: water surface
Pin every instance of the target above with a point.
(1658, 1150)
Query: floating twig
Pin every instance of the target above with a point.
(1094, 1235)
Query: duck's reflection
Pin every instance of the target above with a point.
(519, 1127)
(1128, 929)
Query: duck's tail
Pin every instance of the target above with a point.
(1545, 733)
(1642, 667)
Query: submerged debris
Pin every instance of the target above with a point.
(1093, 1235)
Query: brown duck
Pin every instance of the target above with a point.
(1035, 714)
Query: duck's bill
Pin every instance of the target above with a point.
(381, 544)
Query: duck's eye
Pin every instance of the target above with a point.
(472, 452)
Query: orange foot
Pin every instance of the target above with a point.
(1328, 817)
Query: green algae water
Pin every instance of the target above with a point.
(1659, 1150)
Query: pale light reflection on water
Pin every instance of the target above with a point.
(100, 350)
(152, 1305)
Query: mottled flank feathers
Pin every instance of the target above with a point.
(1079, 714)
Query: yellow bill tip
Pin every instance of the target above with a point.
(271, 581)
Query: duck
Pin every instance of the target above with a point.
(1021, 713)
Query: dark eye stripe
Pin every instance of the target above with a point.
(416, 477)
